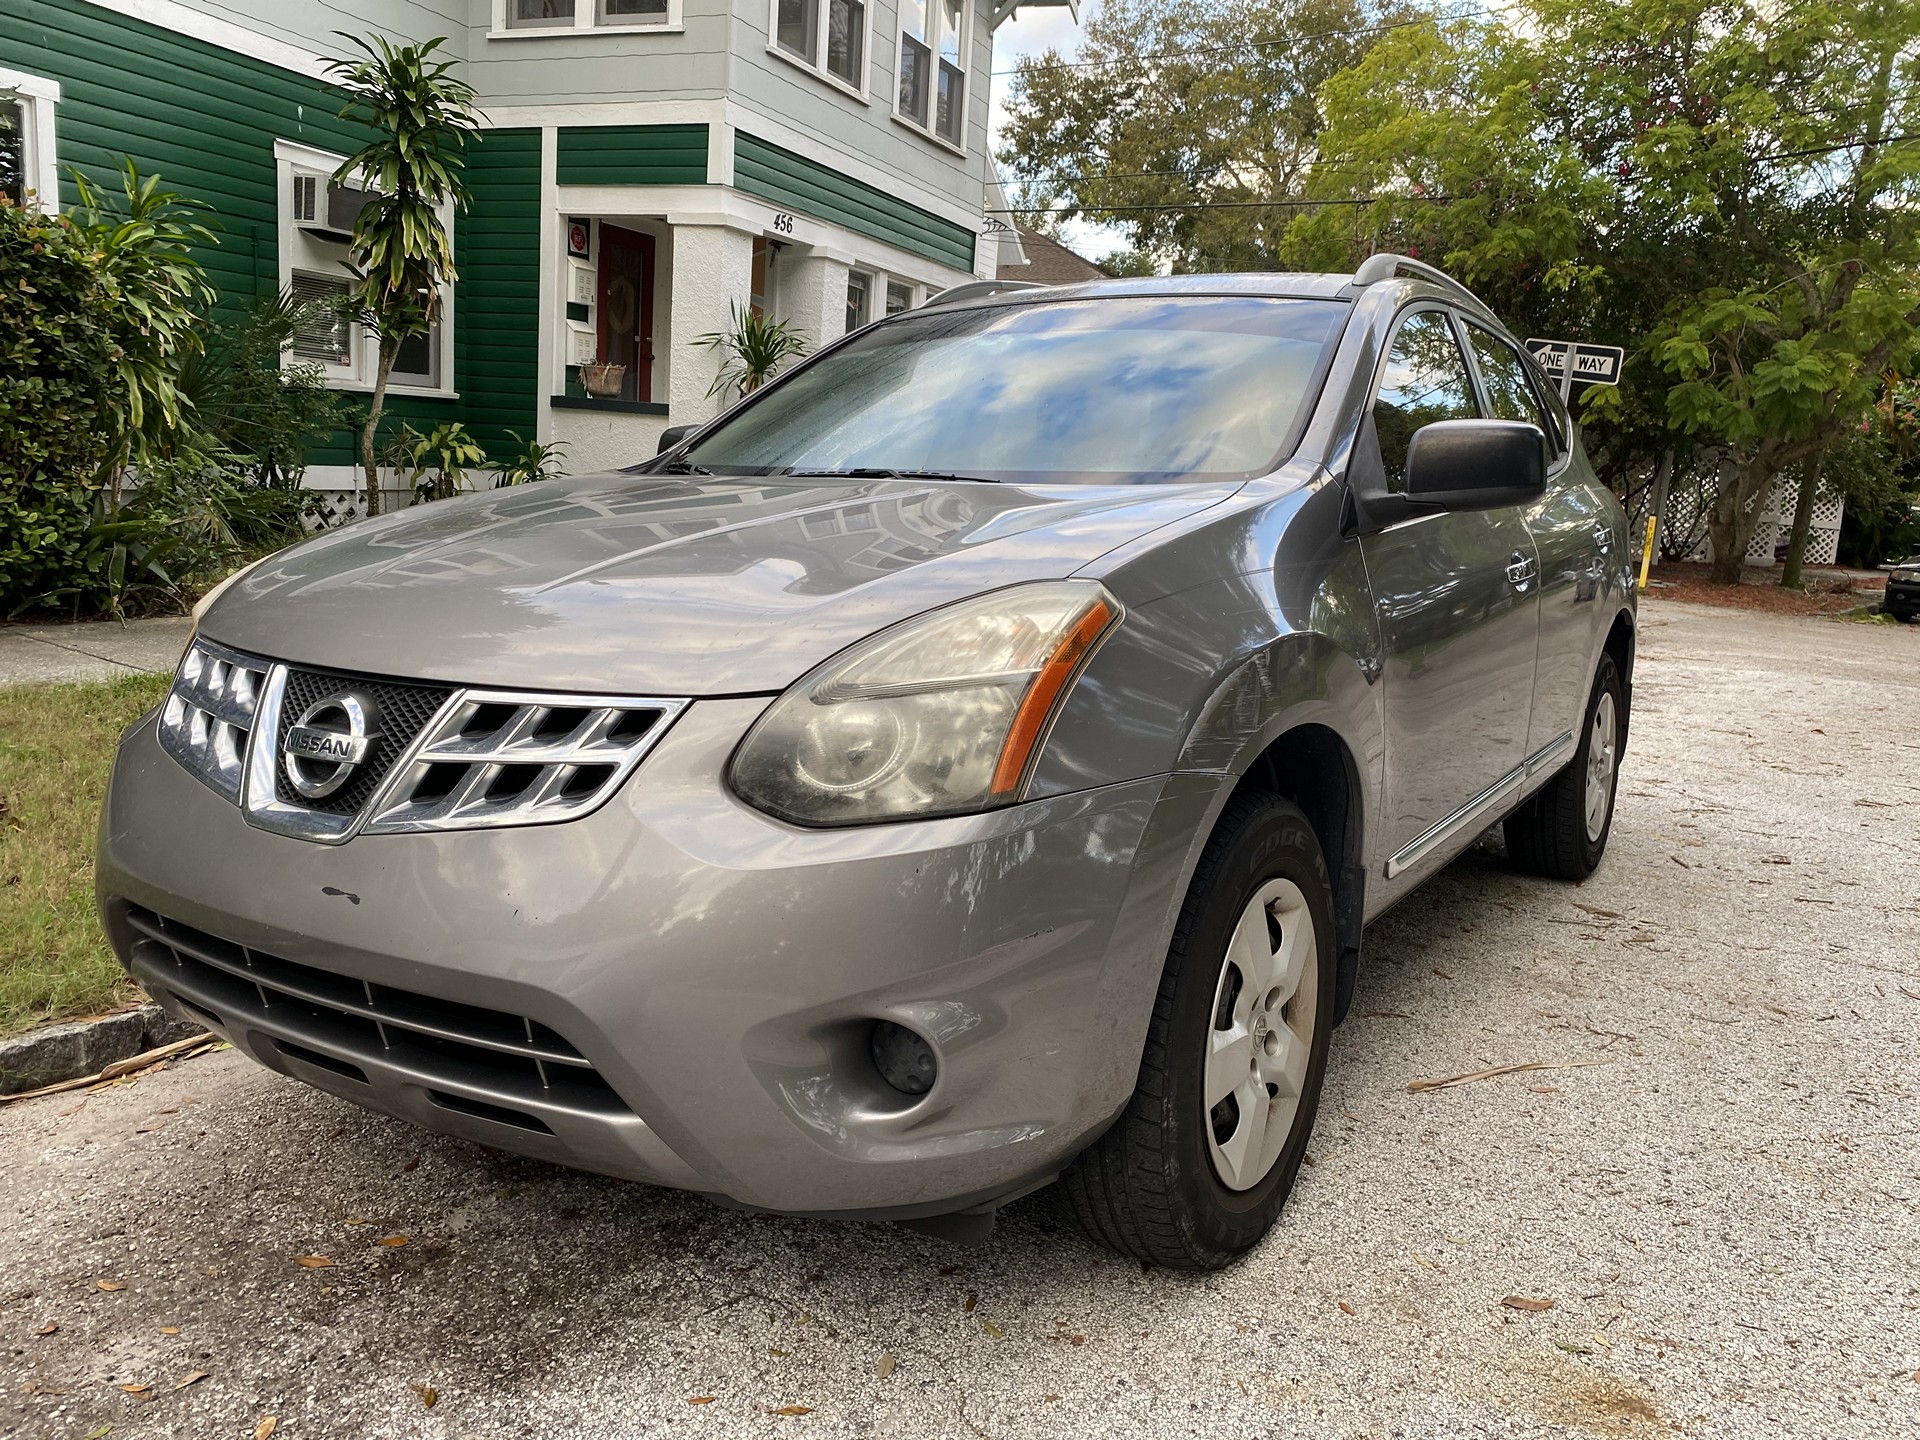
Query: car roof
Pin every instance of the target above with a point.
(1279, 286)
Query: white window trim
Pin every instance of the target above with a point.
(820, 71)
(38, 96)
(357, 378)
(930, 131)
(584, 12)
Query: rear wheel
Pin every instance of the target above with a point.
(1197, 1167)
(1562, 831)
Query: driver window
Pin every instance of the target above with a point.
(1425, 380)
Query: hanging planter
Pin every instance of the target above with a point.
(602, 380)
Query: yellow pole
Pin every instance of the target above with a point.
(1646, 553)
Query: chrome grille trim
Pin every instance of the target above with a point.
(576, 767)
(483, 759)
(208, 716)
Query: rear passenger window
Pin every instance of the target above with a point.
(1510, 393)
(1425, 381)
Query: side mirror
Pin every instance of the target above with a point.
(1476, 464)
(673, 435)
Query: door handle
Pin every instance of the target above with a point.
(1520, 570)
(1603, 537)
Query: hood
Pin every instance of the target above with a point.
(665, 585)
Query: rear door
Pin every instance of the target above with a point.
(1459, 620)
(1574, 539)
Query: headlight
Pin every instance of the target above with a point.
(942, 715)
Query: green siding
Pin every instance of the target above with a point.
(497, 301)
(632, 155)
(812, 189)
(205, 119)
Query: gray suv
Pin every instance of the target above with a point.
(968, 764)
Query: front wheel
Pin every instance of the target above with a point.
(1562, 831)
(1197, 1167)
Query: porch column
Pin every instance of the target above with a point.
(813, 297)
(712, 271)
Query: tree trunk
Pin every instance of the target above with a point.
(389, 351)
(1803, 519)
(1662, 490)
(1737, 503)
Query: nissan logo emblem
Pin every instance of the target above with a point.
(331, 739)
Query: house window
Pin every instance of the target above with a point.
(551, 15)
(933, 79)
(825, 35)
(28, 172)
(317, 217)
(859, 291)
(899, 296)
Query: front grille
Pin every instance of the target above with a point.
(332, 1021)
(403, 711)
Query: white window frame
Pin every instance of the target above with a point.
(585, 21)
(306, 254)
(936, 22)
(37, 97)
(817, 67)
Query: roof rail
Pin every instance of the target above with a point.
(979, 290)
(1384, 266)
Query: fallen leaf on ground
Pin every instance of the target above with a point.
(49, 1328)
(150, 1127)
(783, 1354)
(312, 1262)
(1573, 1349)
(1596, 910)
(268, 1424)
(99, 1432)
(110, 1285)
(792, 1410)
(391, 1240)
(992, 1329)
(1527, 1303)
(949, 1269)
(1488, 1074)
(1346, 1309)
(973, 1299)
(883, 1367)
(1441, 973)
(411, 1166)
(141, 1390)
(194, 1379)
(699, 1399)
(169, 1329)
(429, 1396)
(1544, 1089)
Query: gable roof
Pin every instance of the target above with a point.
(1049, 262)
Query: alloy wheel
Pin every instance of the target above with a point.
(1601, 757)
(1262, 1036)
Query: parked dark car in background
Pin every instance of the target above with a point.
(1902, 600)
(968, 764)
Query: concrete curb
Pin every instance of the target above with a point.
(54, 1053)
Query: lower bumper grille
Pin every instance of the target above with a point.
(331, 1021)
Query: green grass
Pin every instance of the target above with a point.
(56, 747)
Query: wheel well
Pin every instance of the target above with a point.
(1311, 766)
(1620, 646)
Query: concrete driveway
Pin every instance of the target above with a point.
(1722, 1200)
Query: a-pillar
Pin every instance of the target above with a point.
(712, 272)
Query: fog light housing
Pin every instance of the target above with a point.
(904, 1059)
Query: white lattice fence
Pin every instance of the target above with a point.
(1775, 527)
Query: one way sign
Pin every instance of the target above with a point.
(1592, 364)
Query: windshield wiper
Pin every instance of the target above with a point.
(882, 472)
(682, 466)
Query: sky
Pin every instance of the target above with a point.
(1032, 32)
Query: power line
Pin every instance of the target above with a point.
(1217, 205)
(1379, 29)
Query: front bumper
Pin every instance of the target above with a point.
(1902, 598)
(676, 989)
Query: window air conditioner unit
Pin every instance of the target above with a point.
(326, 211)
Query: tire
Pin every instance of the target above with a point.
(1166, 1184)
(1555, 834)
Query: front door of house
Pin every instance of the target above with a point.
(626, 307)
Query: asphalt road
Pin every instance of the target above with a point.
(1721, 1199)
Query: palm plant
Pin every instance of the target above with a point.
(533, 462)
(402, 250)
(751, 351)
(439, 460)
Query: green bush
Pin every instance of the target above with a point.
(56, 375)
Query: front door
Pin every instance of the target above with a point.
(1459, 625)
(626, 307)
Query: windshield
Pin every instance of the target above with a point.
(1095, 391)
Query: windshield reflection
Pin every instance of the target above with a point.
(1108, 391)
